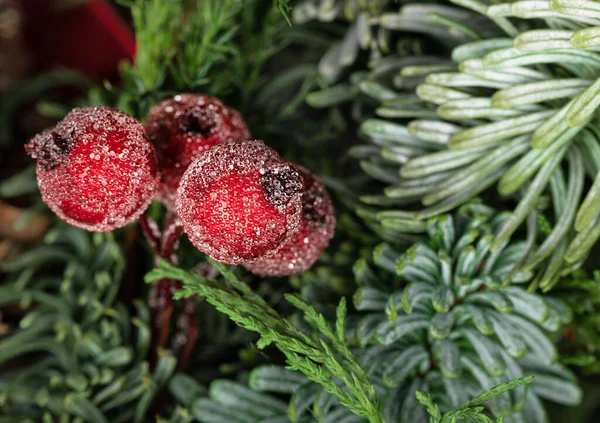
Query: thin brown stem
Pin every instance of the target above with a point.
(165, 243)
(187, 331)
(151, 232)
(170, 239)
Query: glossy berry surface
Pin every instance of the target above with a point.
(317, 227)
(183, 127)
(96, 169)
(239, 201)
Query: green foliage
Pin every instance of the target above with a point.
(260, 400)
(214, 46)
(284, 7)
(582, 341)
(361, 35)
(230, 401)
(472, 409)
(514, 108)
(452, 318)
(322, 360)
(86, 352)
(16, 97)
(453, 100)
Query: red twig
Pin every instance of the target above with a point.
(150, 231)
(187, 331)
(165, 244)
(170, 238)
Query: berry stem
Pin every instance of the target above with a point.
(163, 320)
(171, 231)
(164, 243)
(186, 324)
(151, 232)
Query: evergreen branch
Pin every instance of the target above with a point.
(491, 116)
(209, 45)
(434, 411)
(473, 408)
(319, 360)
(206, 40)
(497, 390)
(155, 24)
(285, 9)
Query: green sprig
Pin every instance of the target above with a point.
(473, 408)
(319, 360)
(516, 103)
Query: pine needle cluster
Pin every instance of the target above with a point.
(508, 103)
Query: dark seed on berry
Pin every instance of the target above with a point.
(281, 185)
(304, 248)
(183, 127)
(198, 121)
(50, 148)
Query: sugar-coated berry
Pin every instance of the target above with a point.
(239, 201)
(96, 169)
(184, 126)
(316, 230)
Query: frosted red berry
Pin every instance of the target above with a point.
(316, 230)
(184, 126)
(96, 169)
(239, 201)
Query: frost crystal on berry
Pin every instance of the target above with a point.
(183, 127)
(96, 169)
(239, 201)
(316, 230)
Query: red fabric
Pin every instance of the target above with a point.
(91, 38)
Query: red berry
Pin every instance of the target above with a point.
(184, 126)
(239, 201)
(96, 169)
(316, 229)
